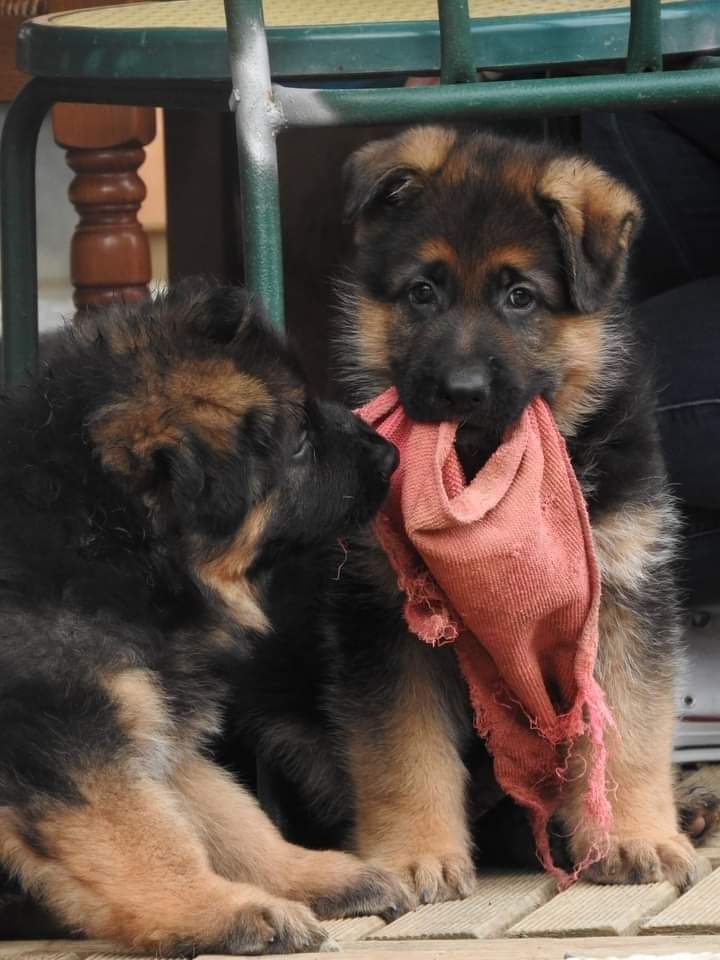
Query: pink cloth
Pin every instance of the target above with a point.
(504, 568)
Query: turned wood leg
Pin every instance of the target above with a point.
(110, 253)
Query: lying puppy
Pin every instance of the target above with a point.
(488, 272)
(162, 481)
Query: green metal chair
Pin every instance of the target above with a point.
(315, 66)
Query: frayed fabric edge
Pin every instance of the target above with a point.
(429, 617)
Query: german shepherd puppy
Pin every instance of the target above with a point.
(163, 480)
(489, 271)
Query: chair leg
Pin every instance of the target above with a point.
(110, 251)
(18, 229)
(256, 122)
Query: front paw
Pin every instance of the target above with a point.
(698, 809)
(277, 926)
(637, 859)
(374, 892)
(434, 876)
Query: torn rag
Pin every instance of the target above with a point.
(504, 568)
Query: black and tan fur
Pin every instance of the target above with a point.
(164, 483)
(502, 263)
(489, 271)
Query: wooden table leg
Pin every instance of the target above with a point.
(110, 253)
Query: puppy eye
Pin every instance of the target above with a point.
(421, 294)
(520, 298)
(303, 445)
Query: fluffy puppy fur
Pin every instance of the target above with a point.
(489, 271)
(164, 481)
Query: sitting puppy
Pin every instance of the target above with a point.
(488, 272)
(162, 480)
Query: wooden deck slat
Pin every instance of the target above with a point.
(533, 949)
(64, 948)
(354, 928)
(502, 898)
(586, 921)
(587, 910)
(712, 853)
(42, 955)
(35, 954)
(698, 911)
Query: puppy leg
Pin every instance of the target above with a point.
(244, 845)
(125, 863)
(409, 779)
(636, 665)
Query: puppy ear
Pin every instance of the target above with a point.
(597, 219)
(172, 478)
(228, 311)
(218, 313)
(394, 171)
(372, 177)
(187, 489)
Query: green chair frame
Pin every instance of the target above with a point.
(264, 109)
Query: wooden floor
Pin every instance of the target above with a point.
(521, 916)
(514, 916)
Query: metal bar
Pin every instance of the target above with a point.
(256, 123)
(553, 96)
(18, 228)
(17, 190)
(705, 62)
(645, 37)
(137, 93)
(456, 47)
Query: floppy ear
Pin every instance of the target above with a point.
(596, 218)
(190, 490)
(374, 176)
(171, 478)
(178, 482)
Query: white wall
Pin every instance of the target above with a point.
(56, 219)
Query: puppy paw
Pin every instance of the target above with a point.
(436, 877)
(374, 892)
(647, 860)
(698, 810)
(278, 926)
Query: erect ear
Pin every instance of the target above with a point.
(596, 218)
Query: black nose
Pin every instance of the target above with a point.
(465, 387)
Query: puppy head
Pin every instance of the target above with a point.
(207, 425)
(487, 271)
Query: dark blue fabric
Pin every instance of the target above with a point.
(682, 330)
(672, 161)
